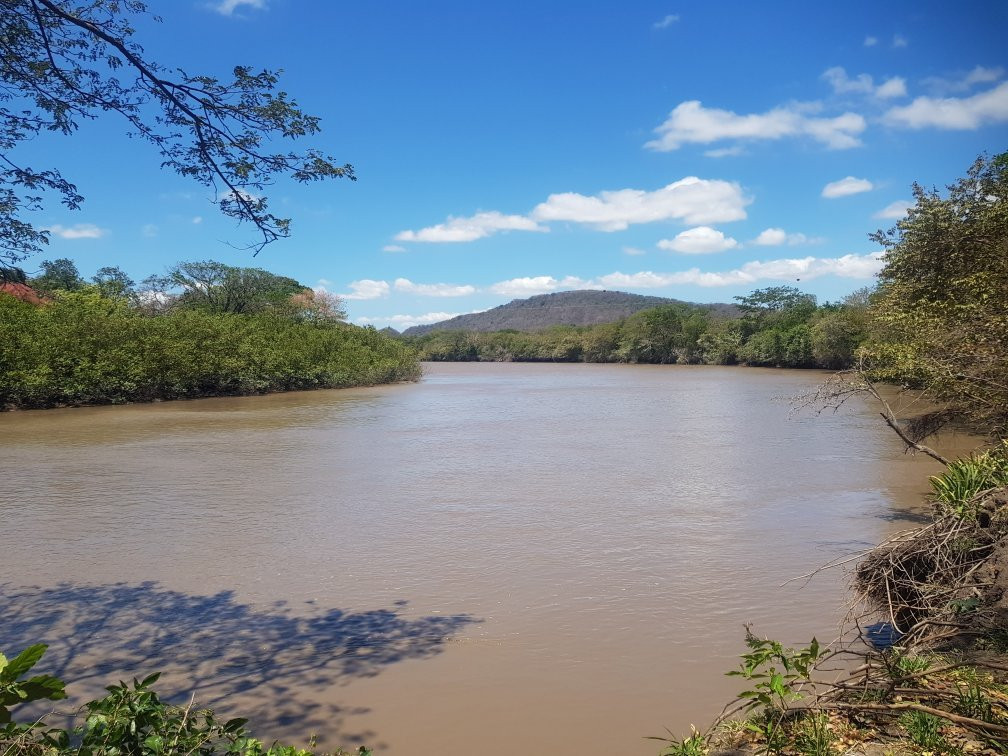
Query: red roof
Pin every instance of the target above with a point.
(23, 292)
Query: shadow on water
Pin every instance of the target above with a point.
(270, 659)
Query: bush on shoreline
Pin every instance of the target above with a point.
(85, 348)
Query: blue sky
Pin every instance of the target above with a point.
(692, 150)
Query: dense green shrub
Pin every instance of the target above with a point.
(84, 348)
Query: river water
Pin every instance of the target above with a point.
(500, 559)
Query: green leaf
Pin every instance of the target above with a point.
(44, 687)
(149, 680)
(23, 661)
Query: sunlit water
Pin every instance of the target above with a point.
(500, 559)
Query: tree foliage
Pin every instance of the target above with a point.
(780, 327)
(86, 348)
(58, 275)
(62, 63)
(942, 310)
(216, 287)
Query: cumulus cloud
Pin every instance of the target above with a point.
(197, 219)
(845, 187)
(691, 122)
(149, 230)
(367, 288)
(666, 22)
(433, 290)
(400, 322)
(78, 231)
(899, 40)
(848, 266)
(699, 241)
(961, 113)
(531, 285)
(894, 210)
(778, 237)
(469, 229)
(870, 41)
(393, 248)
(863, 84)
(228, 7)
(691, 200)
(894, 87)
(633, 251)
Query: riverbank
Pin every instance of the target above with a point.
(930, 676)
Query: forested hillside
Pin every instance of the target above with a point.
(775, 327)
(565, 308)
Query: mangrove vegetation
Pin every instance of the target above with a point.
(204, 329)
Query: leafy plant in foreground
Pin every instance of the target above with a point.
(925, 731)
(965, 478)
(779, 672)
(130, 720)
(14, 690)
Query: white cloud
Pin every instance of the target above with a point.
(863, 84)
(848, 266)
(197, 219)
(149, 230)
(721, 152)
(393, 248)
(232, 196)
(433, 290)
(842, 83)
(666, 22)
(529, 286)
(982, 75)
(870, 41)
(78, 231)
(691, 200)
(400, 322)
(894, 210)
(964, 82)
(699, 241)
(633, 251)
(894, 87)
(692, 122)
(367, 288)
(899, 40)
(324, 282)
(845, 187)
(469, 229)
(228, 7)
(967, 113)
(778, 237)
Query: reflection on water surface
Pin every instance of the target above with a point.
(498, 556)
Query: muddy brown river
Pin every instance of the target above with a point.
(500, 559)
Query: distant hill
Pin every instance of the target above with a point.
(578, 308)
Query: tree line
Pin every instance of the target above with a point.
(201, 329)
(779, 326)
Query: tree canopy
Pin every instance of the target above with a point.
(941, 314)
(61, 63)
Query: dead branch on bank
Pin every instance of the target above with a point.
(844, 385)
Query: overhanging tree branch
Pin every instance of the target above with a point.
(60, 63)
